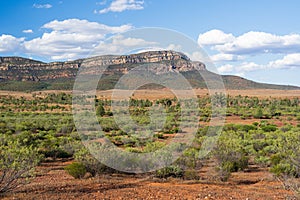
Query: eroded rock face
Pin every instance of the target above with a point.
(22, 69)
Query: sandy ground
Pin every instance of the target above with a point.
(54, 183)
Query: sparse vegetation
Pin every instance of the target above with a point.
(42, 126)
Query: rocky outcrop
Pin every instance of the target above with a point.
(22, 69)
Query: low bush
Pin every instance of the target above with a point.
(230, 154)
(17, 163)
(77, 170)
(170, 171)
(92, 165)
(269, 128)
(56, 153)
(191, 175)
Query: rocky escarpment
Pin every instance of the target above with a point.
(21, 74)
(22, 69)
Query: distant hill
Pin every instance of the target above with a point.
(22, 74)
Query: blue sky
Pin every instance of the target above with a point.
(257, 39)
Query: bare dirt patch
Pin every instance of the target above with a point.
(53, 182)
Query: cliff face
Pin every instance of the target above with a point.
(21, 69)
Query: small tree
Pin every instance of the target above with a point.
(17, 163)
(100, 110)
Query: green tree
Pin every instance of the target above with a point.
(100, 110)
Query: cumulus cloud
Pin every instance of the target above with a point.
(234, 53)
(84, 27)
(39, 6)
(9, 43)
(122, 5)
(252, 42)
(241, 68)
(215, 37)
(288, 61)
(260, 42)
(71, 39)
(119, 44)
(250, 66)
(28, 31)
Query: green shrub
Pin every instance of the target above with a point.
(230, 154)
(100, 111)
(269, 128)
(286, 161)
(56, 153)
(191, 158)
(235, 165)
(77, 170)
(262, 161)
(191, 175)
(258, 114)
(170, 171)
(17, 163)
(92, 165)
(153, 146)
(276, 159)
(284, 168)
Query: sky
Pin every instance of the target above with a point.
(258, 39)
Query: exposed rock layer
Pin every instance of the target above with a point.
(22, 69)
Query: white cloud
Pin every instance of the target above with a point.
(225, 57)
(196, 56)
(46, 6)
(252, 45)
(28, 31)
(120, 40)
(119, 44)
(215, 37)
(84, 27)
(101, 2)
(241, 69)
(225, 68)
(122, 5)
(252, 42)
(9, 43)
(249, 66)
(71, 39)
(288, 61)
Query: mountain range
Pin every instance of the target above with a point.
(23, 74)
